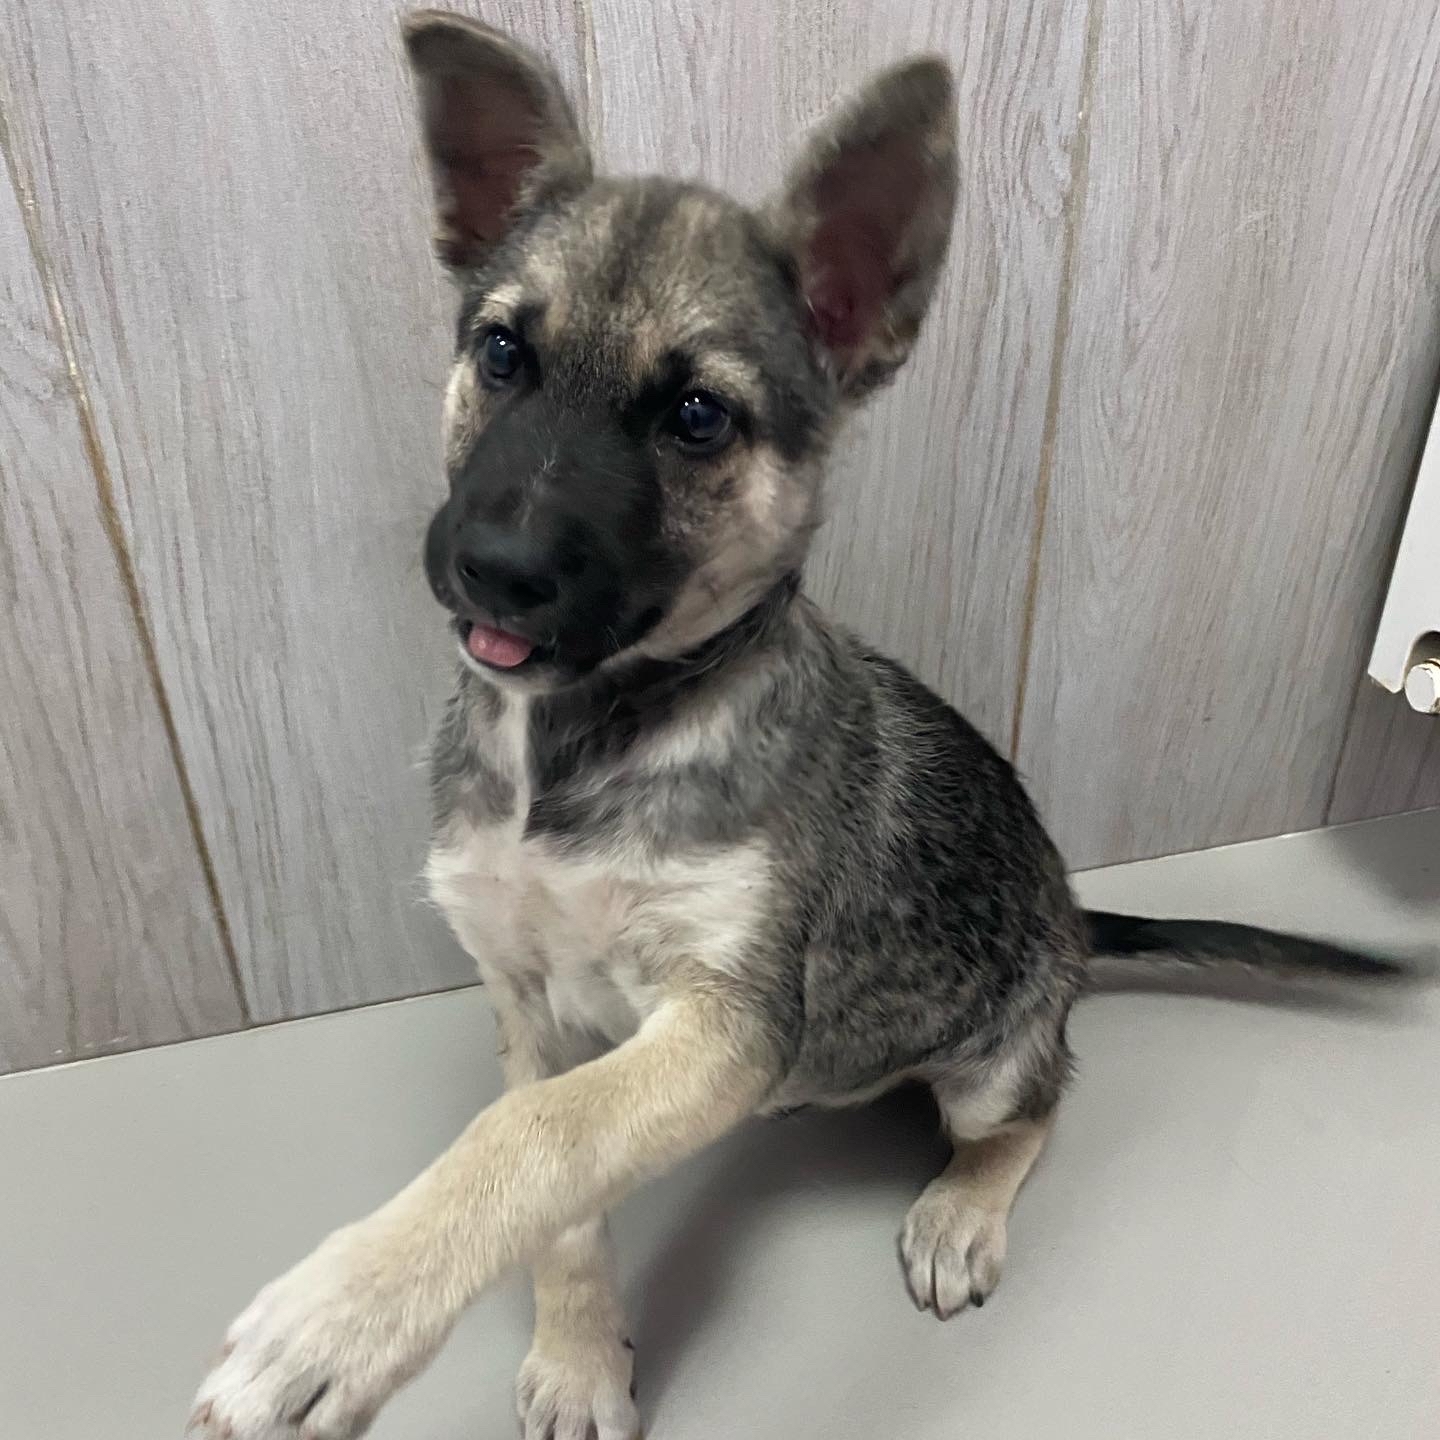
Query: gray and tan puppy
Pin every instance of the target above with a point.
(713, 856)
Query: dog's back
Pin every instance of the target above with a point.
(943, 938)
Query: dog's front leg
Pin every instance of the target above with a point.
(321, 1349)
(578, 1377)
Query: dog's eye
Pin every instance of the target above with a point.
(700, 422)
(500, 355)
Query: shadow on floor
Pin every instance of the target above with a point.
(892, 1146)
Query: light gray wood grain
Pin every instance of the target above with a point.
(108, 939)
(1391, 761)
(238, 216)
(1185, 348)
(932, 496)
(1251, 352)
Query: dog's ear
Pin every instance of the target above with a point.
(499, 131)
(866, 214)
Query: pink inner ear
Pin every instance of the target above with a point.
(484, 141)
(865, 201)
(847, 282)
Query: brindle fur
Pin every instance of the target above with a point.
(712, 853)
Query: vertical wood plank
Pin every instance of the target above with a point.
(108, 940)
(1188, 342)
(239, 220)
(1252, 350)
(932, 494)
(1391, 761)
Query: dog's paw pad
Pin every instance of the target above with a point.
(951, 1250)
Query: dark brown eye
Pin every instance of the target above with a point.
(501, 359)
(701, 423)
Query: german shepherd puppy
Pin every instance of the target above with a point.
(713, 856)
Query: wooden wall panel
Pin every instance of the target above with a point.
(1391, 761)
(1130, 506)
(108, 938)
(932, 495)
(1249, 352)
(239, 224)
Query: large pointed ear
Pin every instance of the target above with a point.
(866, 214)
(499, 131)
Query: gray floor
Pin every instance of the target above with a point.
(1234, 1233)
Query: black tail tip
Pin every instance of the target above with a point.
(1221, 943)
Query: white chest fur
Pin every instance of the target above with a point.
(598, 933)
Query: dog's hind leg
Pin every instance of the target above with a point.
(579, 1375)
(952, 1246)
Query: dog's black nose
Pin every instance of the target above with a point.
(504, 572)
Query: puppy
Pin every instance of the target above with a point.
(713, 856)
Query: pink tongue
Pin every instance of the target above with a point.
(497, 647)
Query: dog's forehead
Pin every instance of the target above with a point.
(647, 267)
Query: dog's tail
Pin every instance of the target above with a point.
(1187, 945)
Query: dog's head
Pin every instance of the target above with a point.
(647, 373)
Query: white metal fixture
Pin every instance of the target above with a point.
(1422, 687)
(1407, 645)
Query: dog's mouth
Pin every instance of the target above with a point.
(491, 647)
(497, 648)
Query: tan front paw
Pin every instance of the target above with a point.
(951, 1249)
(578, 1387)
(319, 1350)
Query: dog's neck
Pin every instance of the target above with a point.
(649, 679)
(601, 717)
(639, 694)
